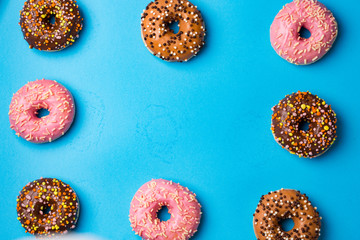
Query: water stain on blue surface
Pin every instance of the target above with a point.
(89, 116)
(159, 129)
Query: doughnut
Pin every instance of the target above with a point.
(301, 107)
(185, 211)
(40, 33)
(36, 95)
(47, 206)
(286, 204)
(161, 40)
(311, 15)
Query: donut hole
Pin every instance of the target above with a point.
(173, 26)
(52, 18)
(304, 33)
(42, 112)
(45, 209)
(163, 214)
(304, 125)
(286, 224)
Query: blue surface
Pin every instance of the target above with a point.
(205, 123)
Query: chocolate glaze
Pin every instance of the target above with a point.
(299, 107)
(47, 206)
(161, 40)
(284, 204)
(40, 33)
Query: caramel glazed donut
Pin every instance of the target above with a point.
(285, 204)
(296, 108)
(161, 40)
(47, 206)
(40, 33)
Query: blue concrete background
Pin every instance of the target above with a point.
(205, 123)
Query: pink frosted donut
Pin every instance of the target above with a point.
(309, 14)
(36, 95)
(185, 211)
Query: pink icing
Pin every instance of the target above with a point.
(312, 15)
(182, 205)
(36, 95)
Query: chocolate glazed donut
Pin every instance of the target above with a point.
(38, 30)
(161, 40)
(300, 107)
(47, 206)
(285, 204)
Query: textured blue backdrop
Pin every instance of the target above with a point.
(205, 123)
